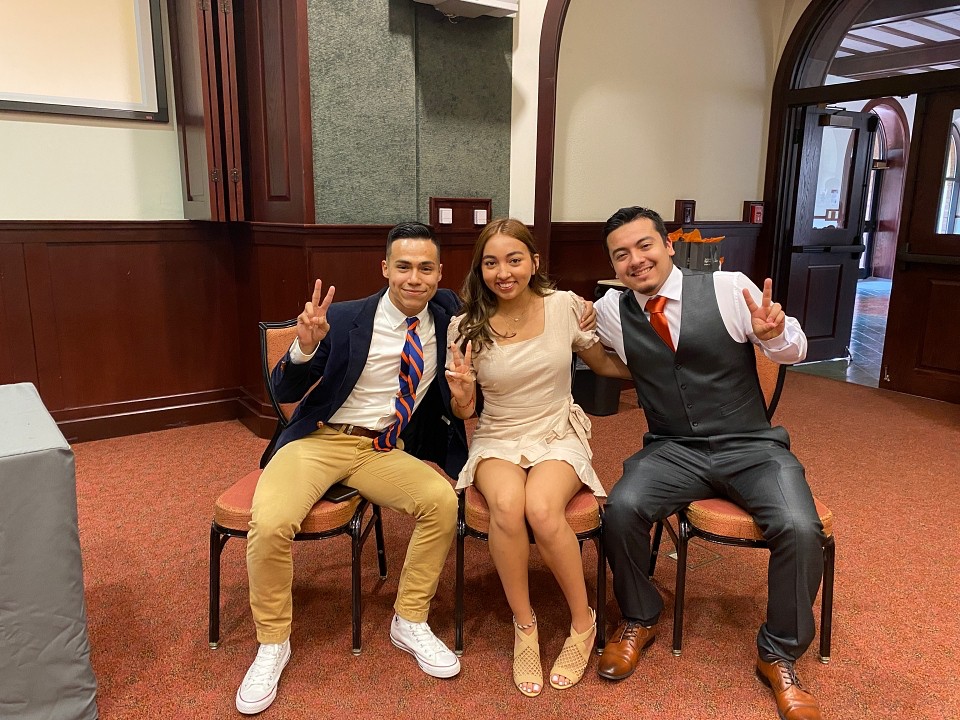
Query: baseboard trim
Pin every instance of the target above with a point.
(117, 424)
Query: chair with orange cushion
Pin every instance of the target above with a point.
(720, 521)
(340, 511)
(584, 514)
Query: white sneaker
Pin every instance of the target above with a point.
(259, 687)
(433, 657)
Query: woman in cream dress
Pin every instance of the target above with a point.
(530, 452)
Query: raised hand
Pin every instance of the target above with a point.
(312, 325)
(767, 318)
(460, 376)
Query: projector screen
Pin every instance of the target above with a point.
(95, 57)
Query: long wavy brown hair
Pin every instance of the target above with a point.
(479, 302)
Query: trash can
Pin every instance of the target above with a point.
(595, 394)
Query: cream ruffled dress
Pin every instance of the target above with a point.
(528, 412)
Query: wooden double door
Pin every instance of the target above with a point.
(242, 96)
(827, 239)
(921, 353)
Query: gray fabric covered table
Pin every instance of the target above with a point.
(45, 667)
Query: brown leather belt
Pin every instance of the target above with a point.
(355, 430)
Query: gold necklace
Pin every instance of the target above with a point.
(523, 315)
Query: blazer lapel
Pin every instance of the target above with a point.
(440, 322)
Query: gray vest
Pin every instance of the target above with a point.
(710, 386)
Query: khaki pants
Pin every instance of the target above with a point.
(299, 474)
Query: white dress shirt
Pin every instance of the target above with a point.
(787, 348)
(371, 402)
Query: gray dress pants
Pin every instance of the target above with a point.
(760, 475)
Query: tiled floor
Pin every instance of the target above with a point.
(866, 341)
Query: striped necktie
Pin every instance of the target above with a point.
(411, 370)
(658, 320)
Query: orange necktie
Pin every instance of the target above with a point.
(658, 320)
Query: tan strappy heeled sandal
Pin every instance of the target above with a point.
(526, 657)
(575, 655)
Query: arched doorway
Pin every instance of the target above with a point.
(926, 262)
(895, 131)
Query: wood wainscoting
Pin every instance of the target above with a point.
(123, 327)
(129, 327)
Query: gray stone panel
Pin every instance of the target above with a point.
(363, 99)
(406, 105)
(464, 88)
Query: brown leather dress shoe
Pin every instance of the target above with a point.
(793, 702)
(622, 651)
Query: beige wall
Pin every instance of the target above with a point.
(71, 168)
(656, 101)
(660, 101)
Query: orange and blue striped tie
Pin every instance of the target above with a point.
(411, 370)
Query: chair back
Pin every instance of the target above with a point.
(771, 375)
(275, 339)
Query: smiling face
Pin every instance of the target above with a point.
(640, 256)
(506, 266)
(413, 271)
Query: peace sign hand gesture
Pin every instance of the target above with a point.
(768, 318)
(461, 377)
(312, 325)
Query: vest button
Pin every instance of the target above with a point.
(683, 387)
(689, 406)
(695, 423)
(678, 366)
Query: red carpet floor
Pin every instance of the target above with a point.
(886, 464)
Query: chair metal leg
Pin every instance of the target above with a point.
(826, 608)
(683, 538)
(655, 547)
(601, 593)
(458, 591)
(381, 550)
(356, 546)
(217, 541)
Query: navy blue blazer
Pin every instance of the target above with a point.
(434, 433)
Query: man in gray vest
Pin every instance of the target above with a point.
(687, 338)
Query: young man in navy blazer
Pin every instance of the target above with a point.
(352, 351)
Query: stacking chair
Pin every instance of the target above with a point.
(720, 521)
(583, 513)
(340, 511)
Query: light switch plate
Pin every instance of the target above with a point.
(479, 217)
(446, 216)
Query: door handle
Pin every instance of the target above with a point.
(928, 259)
(834, 249)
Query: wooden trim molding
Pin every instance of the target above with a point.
(554, 16)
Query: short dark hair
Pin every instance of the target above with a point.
(628, 214)
(411, 231)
